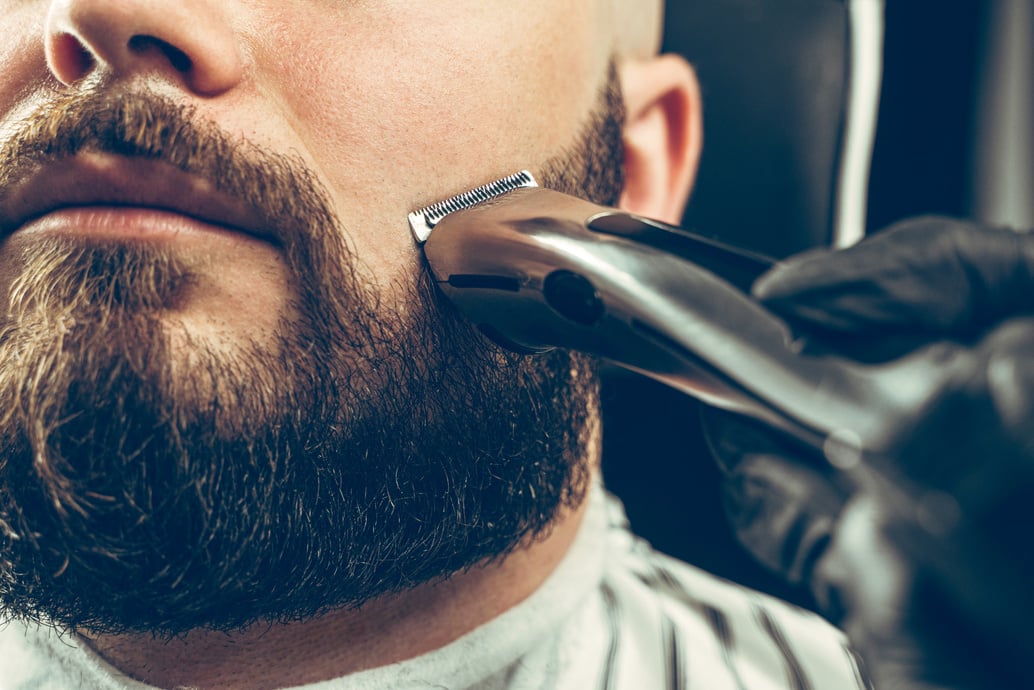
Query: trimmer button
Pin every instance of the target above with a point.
(573, 297)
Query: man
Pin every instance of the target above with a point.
(244, 445)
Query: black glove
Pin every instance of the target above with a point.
(932, 590)
(921, 280)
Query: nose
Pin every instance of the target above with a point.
(189, 41)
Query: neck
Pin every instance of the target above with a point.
(387, 630)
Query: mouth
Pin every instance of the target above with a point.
(127, 199)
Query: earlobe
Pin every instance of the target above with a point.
(663, 135)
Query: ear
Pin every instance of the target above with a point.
(663, 135)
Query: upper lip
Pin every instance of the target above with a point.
(106, 180)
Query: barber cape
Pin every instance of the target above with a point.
(614, 615)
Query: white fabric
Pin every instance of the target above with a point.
(614, 615)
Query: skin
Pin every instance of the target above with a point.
(394, 105)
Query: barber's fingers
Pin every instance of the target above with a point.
(781, 504)
(862, 574)
(929, 275)
(782, 512)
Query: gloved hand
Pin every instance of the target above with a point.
(933, 590)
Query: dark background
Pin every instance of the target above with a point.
(773, 74)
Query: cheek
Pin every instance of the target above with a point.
(404, 105)
(408, 69)
(22, 61)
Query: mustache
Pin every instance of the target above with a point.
(292, 204)
(147, 125)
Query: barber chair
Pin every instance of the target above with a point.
(790, 90)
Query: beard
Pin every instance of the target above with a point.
(158, 484)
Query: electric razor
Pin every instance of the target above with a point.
(537, 269)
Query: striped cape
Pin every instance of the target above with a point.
(614, 615)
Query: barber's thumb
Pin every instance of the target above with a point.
(1010, 375)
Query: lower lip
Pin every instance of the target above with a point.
(126, 223)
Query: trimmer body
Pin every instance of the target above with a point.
(537, 269)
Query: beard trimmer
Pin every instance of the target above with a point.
(537, 269)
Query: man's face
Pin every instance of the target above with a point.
(228, 391)
(393, 105)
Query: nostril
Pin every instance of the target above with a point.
(70, 58)
(176, 57)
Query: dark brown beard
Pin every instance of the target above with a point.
(384, 452)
